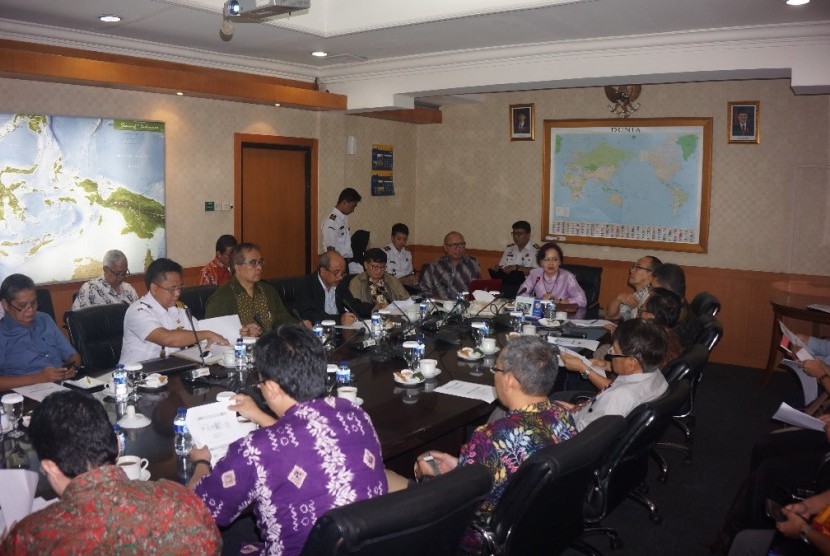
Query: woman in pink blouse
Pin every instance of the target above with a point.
(551, 282)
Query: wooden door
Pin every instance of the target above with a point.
(273, 203)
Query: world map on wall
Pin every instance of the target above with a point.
(638, 183)
(73, 188)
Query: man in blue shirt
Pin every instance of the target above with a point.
(32, 348)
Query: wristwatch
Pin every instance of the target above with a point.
(584, 374)
(804, 536)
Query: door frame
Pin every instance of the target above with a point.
(242, 140)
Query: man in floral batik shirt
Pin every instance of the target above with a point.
(524, 375)
(322, 453)
(100, 510)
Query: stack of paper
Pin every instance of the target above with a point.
(215, 426)
(17, 491)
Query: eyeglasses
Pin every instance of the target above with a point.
(253, 263)
(172, 290)
(117, 274)
(377, 266)
(641, 267)
(456, 245)
(498, 370)
(612, 356)
(550, 260)
(337, 273)
(30, 306)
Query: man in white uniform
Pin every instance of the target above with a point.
(521, 254)
(157, 324)
(398, 258)
(335, 228)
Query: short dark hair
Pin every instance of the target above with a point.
(224, 242)
(532, 362)
(671, 277)
(158, 270)
(349, 195)
(293, 357)
(13, 284)
(644, 340)
(540, 254)
(521, 225)
(665, 305)
(238, 255)
(655, 262)
(72, 429)
(375, 255)
(400, 228)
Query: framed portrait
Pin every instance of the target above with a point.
(522, 126)
(743, 123)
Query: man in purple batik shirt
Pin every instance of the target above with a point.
(322, 453)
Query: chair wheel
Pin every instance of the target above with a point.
(656, 519)
(663, 477)
(616, 543)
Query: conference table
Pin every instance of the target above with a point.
(408, 419)
(795, 307)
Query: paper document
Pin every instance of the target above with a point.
(793, 344)
(227, 327)
(578, 343)
(215, 426)
(38, 392)
(589, 323)
(17, 491)
(398, 307)
(600, 372)
(787, 414)
(819, 307)
(214, 354)
(809, 384)
(469, 390)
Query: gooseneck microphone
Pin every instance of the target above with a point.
(523, 289)
(348, 306)
(195, 335)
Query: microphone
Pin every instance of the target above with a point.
(391, 301)
(294, 313)
(258, 321)
(195, 335)
(348, 306)
(495, 298)
(525, 290)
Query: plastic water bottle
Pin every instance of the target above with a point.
(317, 329)
(119, 383)
(122, 439)
(239, 354)
(344, 374)
(422, 311)
(181, 436)
(377, 326)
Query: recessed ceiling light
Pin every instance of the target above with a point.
(797, 2)
(320, 53)
(181, 94)
(110, 18)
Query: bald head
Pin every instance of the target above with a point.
(454, 246)
(332, 268)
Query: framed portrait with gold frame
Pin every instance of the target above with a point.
(743, 124)
(522, 126)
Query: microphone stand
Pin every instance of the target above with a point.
(195, 335)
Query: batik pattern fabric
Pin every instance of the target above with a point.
(444, 281)
(322, 454)
(100, 292)
(214, 274)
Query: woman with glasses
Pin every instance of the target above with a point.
(552, 282)
(109, 288)
(259, 306)
(375, 285)
(32, 348)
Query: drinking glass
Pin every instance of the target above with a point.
(135, 376)
(516, 318)
(412, 353)
(13, 406)
(478, 332)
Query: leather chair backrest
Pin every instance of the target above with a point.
(711, 331)
(705, 303)
(625, 465)
(590, 280)
(287, 287)
(689, 367)
(44, 302)
(540, 511)
(196, 298)
(424, 519)
(97, 333)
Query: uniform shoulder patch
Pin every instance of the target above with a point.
(536, 246)
(332, 217)
(509, 245)
(387, 248)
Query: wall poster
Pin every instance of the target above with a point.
(382, 166)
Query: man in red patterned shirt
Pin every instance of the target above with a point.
(218, 271)
(100, 510)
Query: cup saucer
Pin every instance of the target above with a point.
(145, 475)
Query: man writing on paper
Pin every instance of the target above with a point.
(32, 348)
(323, 294)
(322, 453)
(100, 510)
(157, 322)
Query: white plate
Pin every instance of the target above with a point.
(145, 475)
(437, 372)
(550, 323)
(410, 382)
(470, 354)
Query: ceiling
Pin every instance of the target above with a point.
(359, 33)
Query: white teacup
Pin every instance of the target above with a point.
(347, 392)
(488, 344)
(429, 367)
(561, 315)
(229, 359)
(226, 397)
(529, 329)
(132, 466)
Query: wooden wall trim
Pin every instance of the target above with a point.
(416, 115)
(52, 63)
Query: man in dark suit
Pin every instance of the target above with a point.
(744, 126)
(323, 295)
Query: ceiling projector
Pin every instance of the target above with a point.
(257, 10)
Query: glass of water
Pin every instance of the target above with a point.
(135, 376)
(517, 319)
(412, 353)
(478, 332)
(13, 406)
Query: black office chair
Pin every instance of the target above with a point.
(622, 472)
(196, 297)
(711, 331)
(590, 280)
(705, 303)
(540, 511)
(428, 518)
(44, 302)
(97, 333)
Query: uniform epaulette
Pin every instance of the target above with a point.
(387, 248)
(510, 245)
(536, 246)
(332, 217)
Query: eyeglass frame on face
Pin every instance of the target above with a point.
(459, 245)
(500, 370)
(172, 290)
(641, 267)
(117, 274)
(338, 274)
(376, 266)
(31, 305)
(551, 260)
(253, 263)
